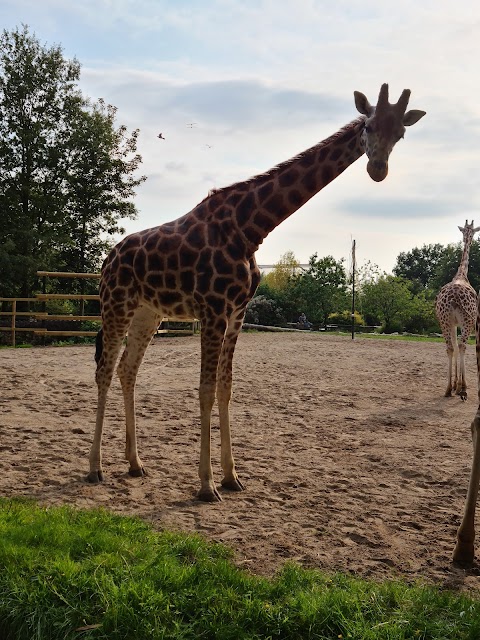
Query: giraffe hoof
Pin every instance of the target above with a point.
(95, 477)
(233, 485)
(209, 495)
(137, 473)
(463, 555)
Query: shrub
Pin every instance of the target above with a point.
(262, 310)
(345, 317)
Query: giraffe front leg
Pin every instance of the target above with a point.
(211, 344)
(208, 491)
(108, 349)
(464, 550)
(140, 332)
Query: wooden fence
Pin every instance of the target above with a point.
(164, 327)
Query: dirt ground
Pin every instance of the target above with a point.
(352, 458)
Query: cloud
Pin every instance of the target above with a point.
(399, 207)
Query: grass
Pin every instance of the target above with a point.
(70, 574)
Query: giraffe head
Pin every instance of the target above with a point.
(384, 126)
(468, 232)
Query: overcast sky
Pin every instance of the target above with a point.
(265, 79)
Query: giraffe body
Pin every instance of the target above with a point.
(203, 265)
(456, 307)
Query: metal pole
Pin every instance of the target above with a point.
(353, 290)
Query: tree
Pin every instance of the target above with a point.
(388, 300)
(35, 84)
(262, 310)
(282, 272)
(321, 289)
(449, 262)
(99, 184)
(420, 264)
(65, 171)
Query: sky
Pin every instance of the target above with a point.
(239, 86)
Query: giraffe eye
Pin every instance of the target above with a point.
(368, 129)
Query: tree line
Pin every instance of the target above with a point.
(68, 174)
(400, 302)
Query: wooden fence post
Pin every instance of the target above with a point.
(14, 311)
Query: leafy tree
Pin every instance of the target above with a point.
(262, 310)
(421, 314)
(278, 279)
(321, 289)
(99, 184)
(388, 300)
(449, 262)
(420, 264)
(65, 171)
(35, 86)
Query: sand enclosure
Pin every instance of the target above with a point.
(352, 458)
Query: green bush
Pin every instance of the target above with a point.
(345, 318)
(262, 310)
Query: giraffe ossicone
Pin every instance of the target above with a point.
(203, 265)
(456, 307)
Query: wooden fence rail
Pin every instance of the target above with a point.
(44, 316)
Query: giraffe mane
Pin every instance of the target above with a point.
(283, 165)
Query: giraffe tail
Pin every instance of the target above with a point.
(99, 346)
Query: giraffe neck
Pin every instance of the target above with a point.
(261, 203)
(462, 271)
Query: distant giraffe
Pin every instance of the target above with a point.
(456, 306)
(203, 265)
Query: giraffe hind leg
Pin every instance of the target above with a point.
(462, 380)
(450, 335)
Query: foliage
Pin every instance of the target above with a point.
(263, 310)
(66, 172)
(68, 573)
(278, 279)
(448, 265)
(420, 264)
(421, 317)
(321, 289)
(345, 318)
(387, 301)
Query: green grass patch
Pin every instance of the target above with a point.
(68, 573)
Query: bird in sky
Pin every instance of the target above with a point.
(160, 135)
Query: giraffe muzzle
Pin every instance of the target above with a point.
(377, 171)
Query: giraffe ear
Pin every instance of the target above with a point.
(412, 116)
(462, 229)
(476, 229)
(362, 104)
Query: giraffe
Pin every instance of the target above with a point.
(455, 306)
(464, 551)
(203, 265)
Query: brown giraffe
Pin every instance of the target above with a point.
(456, 306)
(203, 265)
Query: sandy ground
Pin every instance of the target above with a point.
(352, 458)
